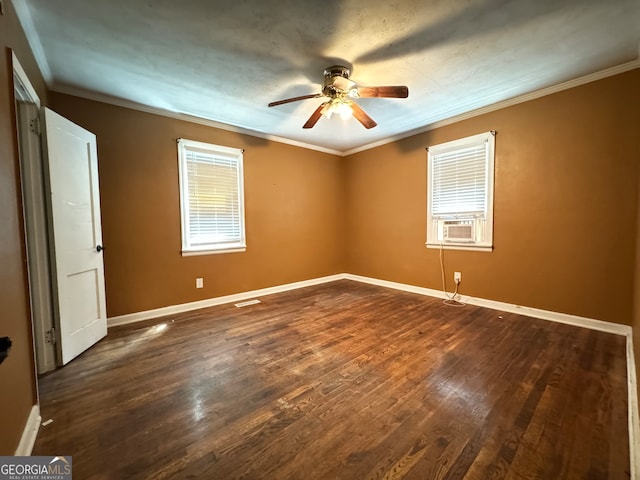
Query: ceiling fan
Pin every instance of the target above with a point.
(341, 91)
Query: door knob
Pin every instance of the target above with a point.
(99, 248)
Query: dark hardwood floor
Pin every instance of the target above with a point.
(342, 381)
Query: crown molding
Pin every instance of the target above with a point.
(609, 72)
(119, 102)
(592, 77)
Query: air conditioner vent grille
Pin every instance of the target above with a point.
(458, 231)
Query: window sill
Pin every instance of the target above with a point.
(193, 252)
(461, 246)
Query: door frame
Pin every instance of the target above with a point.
(35, 223)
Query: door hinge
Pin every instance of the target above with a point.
(50, 336)
(35, 125)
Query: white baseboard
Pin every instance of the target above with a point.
(566, 318)
(30, 432)
(211, 302)
(395, 285)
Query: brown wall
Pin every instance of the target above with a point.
(565, 207)
(294, 202)
(17, 378)
(566, 186)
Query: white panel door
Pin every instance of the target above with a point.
(77, 266)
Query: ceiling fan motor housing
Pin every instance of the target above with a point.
(334, 85)
(337, 70)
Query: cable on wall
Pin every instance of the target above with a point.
(451, 300)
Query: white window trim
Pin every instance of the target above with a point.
(187, 248)
(486, 245)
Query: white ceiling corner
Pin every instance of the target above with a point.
(24, 15)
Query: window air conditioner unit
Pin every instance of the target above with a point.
(458, 230)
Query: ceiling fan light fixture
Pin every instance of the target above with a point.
(345, 111)
(338, 106)
(339, 90)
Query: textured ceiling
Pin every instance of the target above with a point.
(226, 60)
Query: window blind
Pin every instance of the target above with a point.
(459, 183)
(212, 197)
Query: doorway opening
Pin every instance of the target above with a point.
(35, 219)
(63, 231)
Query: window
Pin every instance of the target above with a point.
(460, 193)
(211, 198)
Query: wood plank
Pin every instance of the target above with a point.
(342, 380)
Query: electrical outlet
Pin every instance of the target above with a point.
(199, 282)
(457, 277)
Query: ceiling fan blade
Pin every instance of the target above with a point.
(295, 99)
(315, 116)
(362, 116)
(398, 91)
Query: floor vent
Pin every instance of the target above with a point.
(247, 303)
